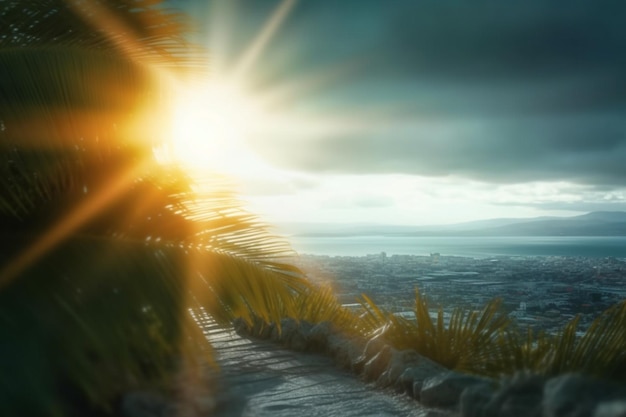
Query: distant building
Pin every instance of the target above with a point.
(520, 312)
(434, 257)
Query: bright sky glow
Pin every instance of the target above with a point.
(210, 125)
(377, 118)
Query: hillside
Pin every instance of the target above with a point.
(598, 223)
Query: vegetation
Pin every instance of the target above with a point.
(599, 351)
(104, 251)
(470, 342)
(487, 343)
(483, 342)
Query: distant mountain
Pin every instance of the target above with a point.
(597, 223)
(607, 216)
(592, 224)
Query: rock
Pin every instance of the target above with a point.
(355, 352)
(144, 404)
(345, 351)
(299, 340)
(292, 334)
(400, 360)
(264, 330)
(258, 328)
(318, 336)
(374, 367)
(241, 327)
(288, 328)
(520, 395)
(611, 409)
(372, 348)
(413, 378)
(445, 390)
(416, 389)
(576, 395)
(474, 399)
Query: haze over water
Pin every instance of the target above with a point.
(477, 247)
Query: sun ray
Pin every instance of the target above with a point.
(67, 124)
(70, 223)
(281, 96)
(263, 38)
(99, 17)
(209, 125)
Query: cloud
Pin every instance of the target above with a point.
(492, 91)
(576, 206)
(462, 42)
(374, 201)
(583, 149)
(489, 38)
(564, 197)
(501, 93)
(355, 199)
(272, 183)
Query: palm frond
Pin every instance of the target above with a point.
(104, 307)
(96, 315)
(373, 319)
(142, 30)
(319, 304)
(599, 351)
(471, 341)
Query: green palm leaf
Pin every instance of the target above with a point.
(472, 341)
(599, 351)
(104, 250)
(142, 29)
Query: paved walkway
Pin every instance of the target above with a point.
(259, 378)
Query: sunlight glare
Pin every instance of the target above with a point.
(210, 126)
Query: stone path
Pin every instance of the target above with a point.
(259, 379)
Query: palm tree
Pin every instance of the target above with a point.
(103, 250)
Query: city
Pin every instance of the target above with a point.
(541, 293)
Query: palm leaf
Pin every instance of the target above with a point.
(319, 304)
(128, 248)
(472, 340)
(374, 319)
(599, 351)
(140, 29)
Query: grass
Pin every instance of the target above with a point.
(485, 341)
(471, 342)
(600, 351)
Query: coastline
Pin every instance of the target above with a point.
(474, 247)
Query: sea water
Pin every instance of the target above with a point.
(476, 247)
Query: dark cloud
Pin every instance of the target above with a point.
(503, 92)
(489, 38)
(517, 91)
(586, 150)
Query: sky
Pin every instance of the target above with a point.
(423, 111)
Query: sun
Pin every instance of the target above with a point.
(219, 125)
(210, 124)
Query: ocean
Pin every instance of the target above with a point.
(475, 247)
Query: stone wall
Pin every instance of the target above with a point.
(523, 394)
